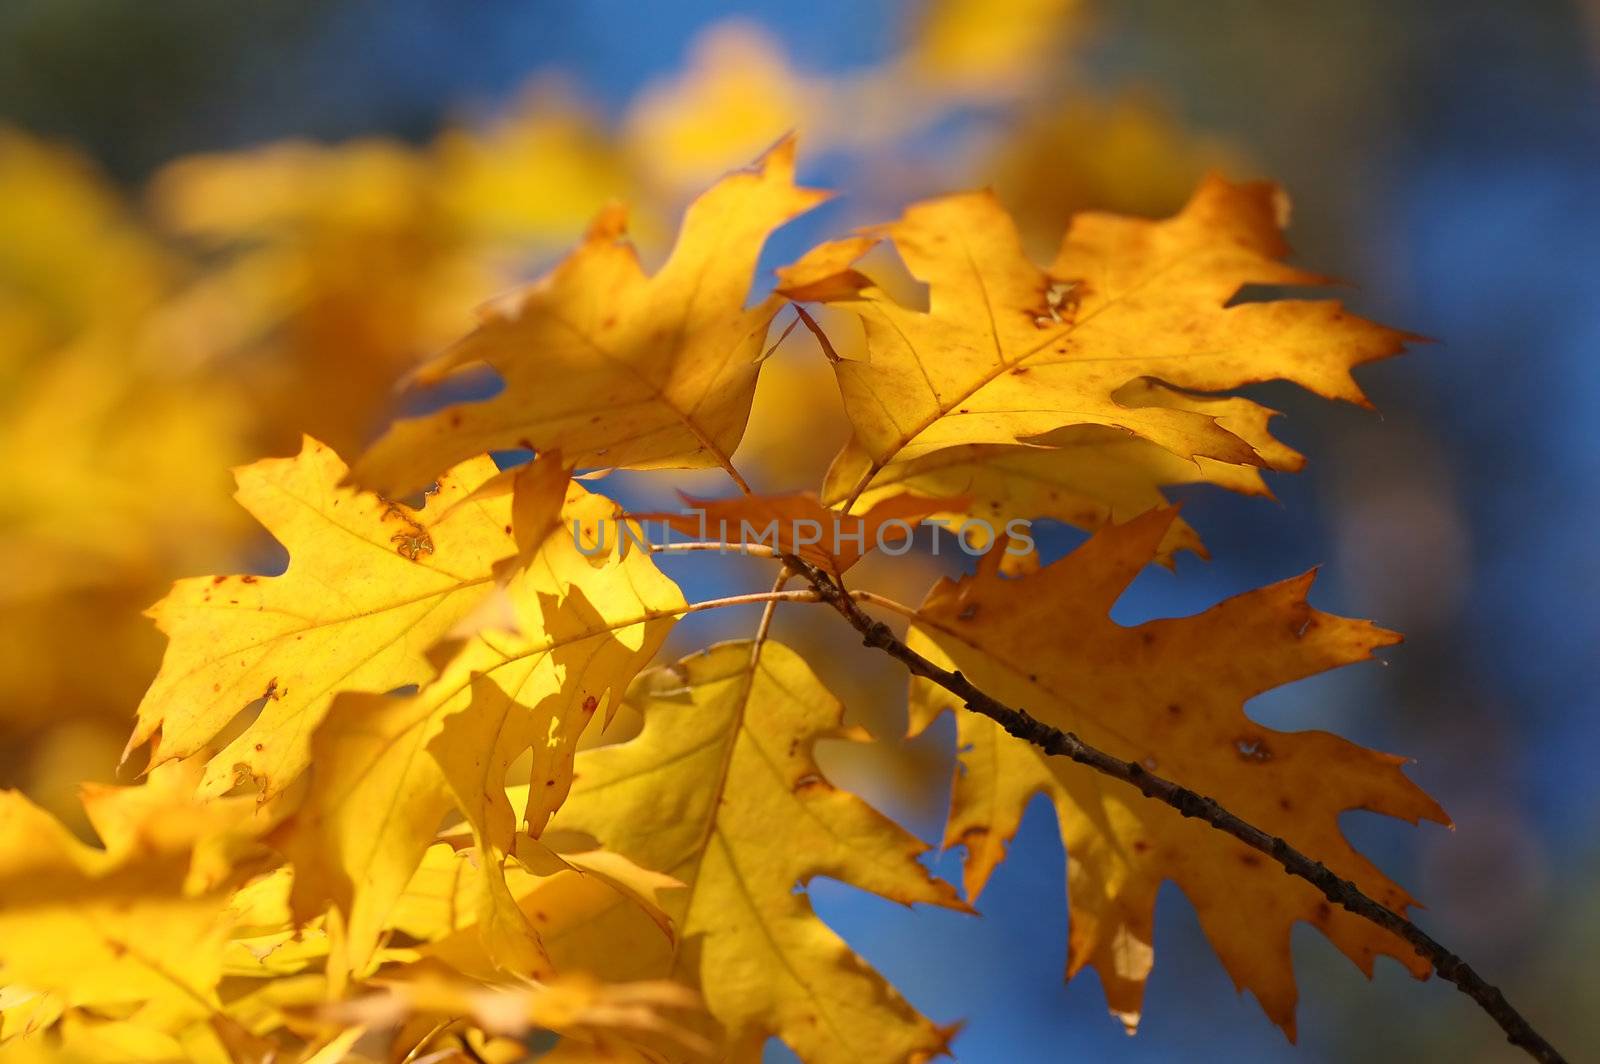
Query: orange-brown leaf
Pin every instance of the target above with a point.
(1169, 694)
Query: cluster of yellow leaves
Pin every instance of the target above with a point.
(144, 353)
(147, 347)
(383, 810)
(370, 828)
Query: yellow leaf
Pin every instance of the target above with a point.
(586, 627)
(371, 585)
(163, 816)
(96, 928)
(1008, 353)
(609, 365)
(1087, 476)
(442, 907)
(721, 792)
(387, 770)
(1168, 694)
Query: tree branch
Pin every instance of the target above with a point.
(1339, 891)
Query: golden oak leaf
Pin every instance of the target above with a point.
(612, 366)
(387, 770)
(1008, 352)
(1169, 694)
(798, 523)
(371, 585)
(1087, 476)
(586, 626)
(439, 906)
(371, 810)
(721, 791)
(98, 928)
(163, 815)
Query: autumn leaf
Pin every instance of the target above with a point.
(1170, 695)
(557, 886)
(1086, 476)
(609, 365)
(103, 929)
(371, 585)
(163, 815)
(1008, 352)
(365, 830)
(387, 770)
(721, 791)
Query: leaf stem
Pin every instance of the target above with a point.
(1519, 1032)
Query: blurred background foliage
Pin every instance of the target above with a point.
(225, 225)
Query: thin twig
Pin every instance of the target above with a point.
(1342, 892)
(755, 550)
(769, 597)
(778, 594)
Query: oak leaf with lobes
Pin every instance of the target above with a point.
(1168, 694)
(1008, 352)
(609, 365)
(387, 769)
(371, 586)
(1085, 475)
(722, 792)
